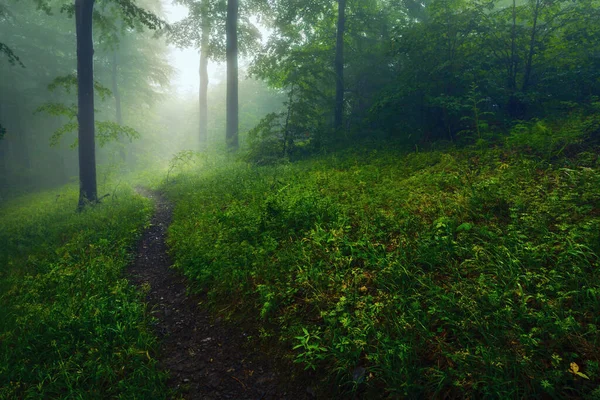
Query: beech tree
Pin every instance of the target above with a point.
(202, 30)
(232, 123)
(339, 65)
(88, 191)
(205, 28)
(84, 9)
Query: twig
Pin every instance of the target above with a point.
(241, 383)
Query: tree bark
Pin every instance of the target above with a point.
(85, 99)
(339, 66)
(515, 105)
(203, 91)
(529, 65)
(232, 124)
(512, 71)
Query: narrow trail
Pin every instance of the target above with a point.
(206, 357)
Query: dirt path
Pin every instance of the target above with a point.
(206, 357)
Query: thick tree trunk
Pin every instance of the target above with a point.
(85, 99)
(232, 75)
(203, 91)
(339, 66)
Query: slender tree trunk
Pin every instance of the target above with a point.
(515, 108)
(203, 91)
(512, 72)
(85, 98)
(232, 75)
(3, 149)
(286, 130)
(529, 65)
(339, 66)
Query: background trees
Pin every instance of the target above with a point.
(412, 69)
(46, 45)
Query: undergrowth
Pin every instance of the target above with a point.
(71, 325)
(465, 273)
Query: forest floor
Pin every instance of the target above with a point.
(206, 357)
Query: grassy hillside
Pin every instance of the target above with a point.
(460, 273)
(70, 325)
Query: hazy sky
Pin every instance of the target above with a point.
(186, 61)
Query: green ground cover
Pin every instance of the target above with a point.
(464, 273)
(71, 326)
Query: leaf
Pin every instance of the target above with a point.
(575, 371)
(583, 375)
(574, 368)
(464, 227)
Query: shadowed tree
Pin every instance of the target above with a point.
(339, 65)
(84, 12)
(88, 191)
(232, 124)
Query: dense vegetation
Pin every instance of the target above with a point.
(71, 325)
(413, 210)
(444, 273)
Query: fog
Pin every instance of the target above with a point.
(155, 82)
(417, 72)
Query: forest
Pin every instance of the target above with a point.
(300, 199)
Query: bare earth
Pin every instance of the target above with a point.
(207, 358)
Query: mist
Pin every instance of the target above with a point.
(267, 199)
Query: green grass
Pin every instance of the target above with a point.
(460, 273)
(71, 325)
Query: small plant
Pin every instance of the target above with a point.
(181, 159)
(473, 102)
(311, 350)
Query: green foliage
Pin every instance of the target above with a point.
(267, 141)
(12, 58)
(544, 140)
(458, 274)
(182, 159)
(105, 132)
(71, 325)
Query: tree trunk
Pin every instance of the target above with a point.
(203, 91)
(515, 105)
(85, 100)
(232, 75)
(529, 65)
(512, 70)
(339, 66)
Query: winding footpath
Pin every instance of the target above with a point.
(206, 358)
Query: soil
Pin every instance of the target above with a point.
(206, 357)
